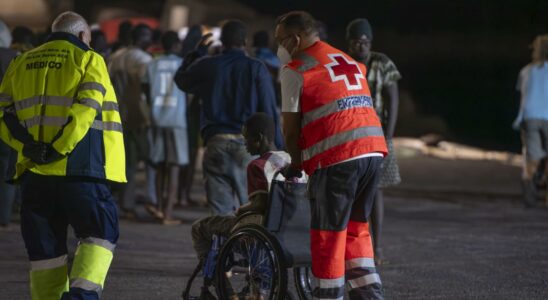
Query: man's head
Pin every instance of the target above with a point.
(141, 36)
(171, 42)
(259, 131)
(73, 23)
(99, 42)
(233, 33)
(359, 36)
(23, 35)
(540, 49)
(124, 33)
(261, 39)
(296, 31)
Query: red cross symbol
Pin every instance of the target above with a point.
(342, 69)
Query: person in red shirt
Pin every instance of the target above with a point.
(259, 134)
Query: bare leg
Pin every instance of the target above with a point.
(171, 197)
(529, 188)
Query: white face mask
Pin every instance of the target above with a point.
(283, 55)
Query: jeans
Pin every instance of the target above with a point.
(225, 163)
(7, 191)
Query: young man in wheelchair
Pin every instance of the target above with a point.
(259, 132)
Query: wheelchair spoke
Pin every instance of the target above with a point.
(251, 268)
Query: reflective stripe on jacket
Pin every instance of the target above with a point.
(338, 118)
(61, 93)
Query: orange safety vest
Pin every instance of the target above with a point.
(338, 118)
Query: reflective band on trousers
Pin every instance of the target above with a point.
(86, 285)
(44, 121)
(99, 242)
(5, 98)
(91, 262)
(92, 86)
(341, 138)
(36, 265)
(47, 100)
(364, 262)
(328, 283)
(336, 106)
(364, 280)
(107, 126)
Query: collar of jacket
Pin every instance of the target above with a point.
(63, 36)
(234, 51)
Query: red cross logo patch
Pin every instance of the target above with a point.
(342, 69)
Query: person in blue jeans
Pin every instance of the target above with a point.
(232, 87)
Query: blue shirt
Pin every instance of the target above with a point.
(268, 57)
(533, 85)
(232, 87)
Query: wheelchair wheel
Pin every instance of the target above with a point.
(249, 266)
(303, 282)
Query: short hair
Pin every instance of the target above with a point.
(23, 35)
(233, 33)
(69, 22)
(299, 22)
(98, 40)
(261, 123)
(261, 39)
(137, 32)
(170, 39)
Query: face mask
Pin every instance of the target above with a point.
(283, 55)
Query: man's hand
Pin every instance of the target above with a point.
(35, 151)
(41, 153)
(205, 43)
(50, 154)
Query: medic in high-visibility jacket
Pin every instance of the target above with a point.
(59, 112)
(334, 134)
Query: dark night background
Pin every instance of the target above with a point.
(459, 59)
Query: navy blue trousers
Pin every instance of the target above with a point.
(51, 203)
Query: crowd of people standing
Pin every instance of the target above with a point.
(339, 110)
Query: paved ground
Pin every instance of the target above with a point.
(450, 243)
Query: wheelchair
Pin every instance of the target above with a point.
(253, 261)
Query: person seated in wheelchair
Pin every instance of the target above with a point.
(259, 132)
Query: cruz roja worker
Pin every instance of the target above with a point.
(332, 133)
(59, 112)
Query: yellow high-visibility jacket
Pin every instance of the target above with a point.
(61, 93)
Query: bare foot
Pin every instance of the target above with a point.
(153, 211)
(171, 222)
